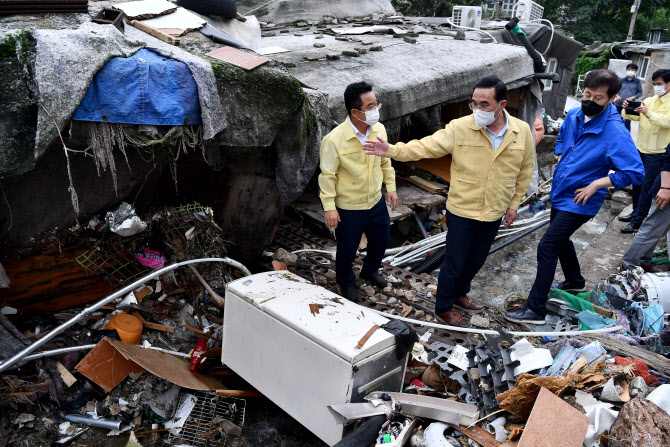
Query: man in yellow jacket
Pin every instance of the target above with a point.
(653, 137)
(493, 157)
(351, 184)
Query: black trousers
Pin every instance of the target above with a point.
(376, 224)
(642, 194)
(554, 245)
(468, 245)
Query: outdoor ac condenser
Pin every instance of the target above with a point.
(468, 16)
(528, 10)
(296, 343)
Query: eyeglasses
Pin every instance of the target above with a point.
(473, 106)
(377, 107)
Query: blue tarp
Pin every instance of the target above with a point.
(142, 89)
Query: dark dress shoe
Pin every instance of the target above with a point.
(452, 318)
(630, 228)
(350, 293)
(626, 218)
(570, 286)
(468, 304)
(374, 278)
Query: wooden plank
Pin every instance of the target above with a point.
(51, 282)
(154, 32)
(440, 167)
(155, 326)
(239, 393)
(478, 434)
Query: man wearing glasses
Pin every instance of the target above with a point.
(493, 157)
(351, 184)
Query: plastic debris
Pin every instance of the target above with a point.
(124, 221)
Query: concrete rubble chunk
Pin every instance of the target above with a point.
(409, 39)
(376, 48)
(361, 50)
(286, 257)
(479, 321)
(369, 290)
(311, 57)
(641, 423)
(350, 53)
(319, 45)
(332, 56)
(342, 38)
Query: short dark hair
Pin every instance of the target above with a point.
(663, 73)
(493, 82)
(633, 66)
(603, 78)
(352, 95)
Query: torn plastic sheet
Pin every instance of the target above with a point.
(600, 415)
(530, 357)
(568, 355)
(661, 397)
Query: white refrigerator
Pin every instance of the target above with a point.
(296, 343)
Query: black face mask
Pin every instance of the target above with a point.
(591, 108)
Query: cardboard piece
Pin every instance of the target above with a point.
(105, 367)
(111, 361)
(553, 422)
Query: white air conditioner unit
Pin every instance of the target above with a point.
(467, 16)
(528, 10)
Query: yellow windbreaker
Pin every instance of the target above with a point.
(484, 182)
(349, 179)
(654, 133)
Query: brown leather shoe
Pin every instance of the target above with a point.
(469, 305)
(452, 318)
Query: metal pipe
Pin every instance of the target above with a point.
(60, 351)
(42, 341)
(108, 424)
(516, 238)
(418, 222)
(492, 332)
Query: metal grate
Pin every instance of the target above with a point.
(200, 423)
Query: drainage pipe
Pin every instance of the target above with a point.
(513, 27)
(60, 351)
(122, 292)
(108, 424)
(516, 238)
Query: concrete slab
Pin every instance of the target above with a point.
(447, 71)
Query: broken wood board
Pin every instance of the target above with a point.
(615, 347)
(477, 434)
(440, 167)
(158, 34)
(67, 377)
(111, 361)
(554, 422)
(51, 282)
(367, 336)
(155, 326)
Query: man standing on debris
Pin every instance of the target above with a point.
(351, 184)
(653, 137)
(656, 225)
(493, 158)
(593, 141)
(631, 89)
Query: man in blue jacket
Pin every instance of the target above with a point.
(593, 140)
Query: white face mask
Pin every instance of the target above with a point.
(371, 116)
(630, 73)
(659, 90)
(483, 118)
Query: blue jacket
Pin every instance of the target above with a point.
(589, 151)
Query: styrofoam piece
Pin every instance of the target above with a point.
(458, 357)
(531, 358)
(182, 19)
(661, 397)
(433, 436)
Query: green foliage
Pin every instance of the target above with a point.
(586, 63)
(606, 20)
